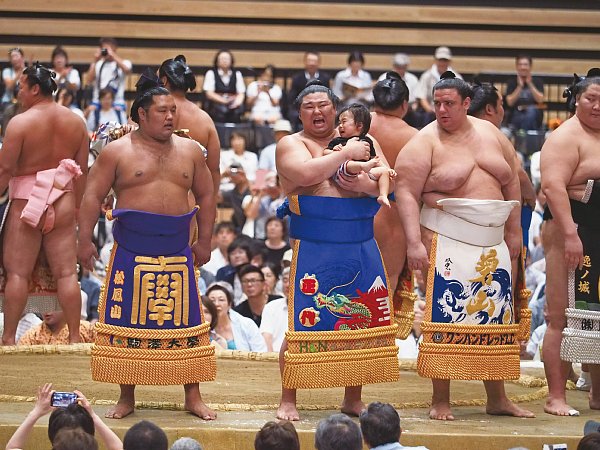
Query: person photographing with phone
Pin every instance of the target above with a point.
(262, 98)
(524, 97)
(69, 411)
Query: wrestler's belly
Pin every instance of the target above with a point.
(326, 188)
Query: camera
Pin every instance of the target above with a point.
(63, 399)
(104, 52)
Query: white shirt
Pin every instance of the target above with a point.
(266, 159)
(71, 78)
(8, 72)
(217, 260)
(263, 106)
(275, 321)
(209, 80)
(104, 117)
(412, 83)
(534, 168)
(248, 160)
(113, 75)
(246, 334)
(535, 341)
(428, 80)
(361, 80)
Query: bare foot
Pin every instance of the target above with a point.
(441, 411)
(287, 411)
(200, 409)
(122, 409)
(508, 408)
(7, 342)
(353, 408)
(559, 408)
(594, 403)
(383, 201)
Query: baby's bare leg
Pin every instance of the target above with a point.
(382, 175)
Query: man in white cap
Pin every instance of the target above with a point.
(424, 93)
(266, 160)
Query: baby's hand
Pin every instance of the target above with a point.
(338, 148)
(392, 173)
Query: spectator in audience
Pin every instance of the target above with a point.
(409, 347)
(277, 436)
(274, 322)
(234, 197)
(224, 234)
(532, 349)
(145, 435)
(28, 321)
(263, 203)
(276, 241)
(263, 97)
(106, 112)
(186, 443)
(353, 84)
(91, 286)
(312, 63)
(338, 432)
(380, 426)
(75, 416)
(108, 71)
(66, 75)
(240, 332)
(66, 98)
(400, 64)
(266, 159)
(253, 285)
(212, 316)
(271, 273)
(53, 330)
(238, 154)
(424, 93)
(524, 97)
(224, 89)
(238, 253)
(589, 442)
(11, 74)
(75, 439)
(178, 78)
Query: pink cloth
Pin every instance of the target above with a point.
(42, 190)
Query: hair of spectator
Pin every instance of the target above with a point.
(223, 50)
(338, 432)
(391, 92)
(109, 41)
(67, 91)
(212, 309)
(284, 226)
(448, 80)
(16, 49)
(360, 114)
(275, 268)
(217, 287)
(226, 225)
(277, 436)
(249, 268)
(104, 92)
(524, 56)
(589, 442)
(42, 76)
(178, 73)
(59, 51)
(380, 424)
(241, 244)
(74, 439)
(186, 443)
(237, 134)
(312, 87)
(313, 52)
(483, 94)
(145, 435)
(356, 56)
(147, 87)
(73, 416)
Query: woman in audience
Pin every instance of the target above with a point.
(276, 241)
(212, 316)
(238, 154)
(272, 272)
(224, 89)
(262, 98)
(106, 113)
(241, 333)
(66, 75)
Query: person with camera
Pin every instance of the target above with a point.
(108, 70)
(524, 97)
(262, 98)
(70, 410)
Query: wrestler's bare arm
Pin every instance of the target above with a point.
(81, 158)
(296, 163)
(511, 190)
(558, 162)
(202, 188)
(414, 165)
(213, 146)
(101, 178)
(11, 150)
